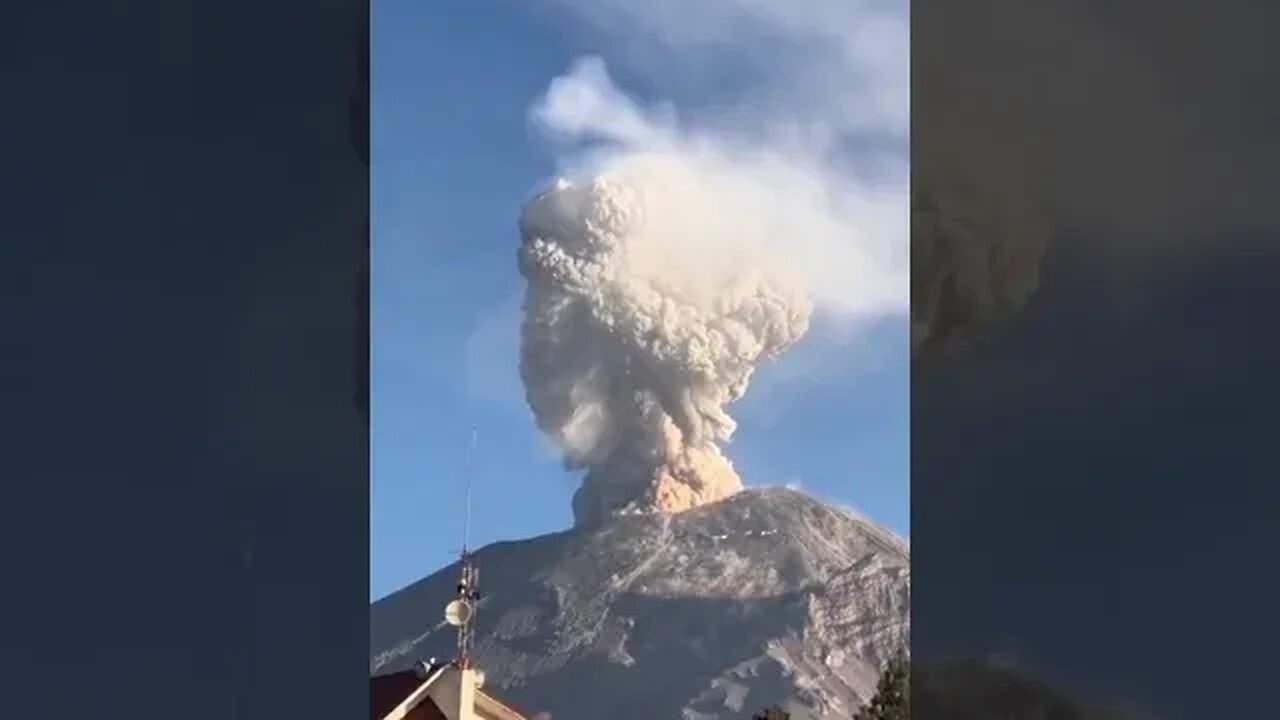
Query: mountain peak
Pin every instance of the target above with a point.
(768, 596)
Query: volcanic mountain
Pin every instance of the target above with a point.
(766, 597)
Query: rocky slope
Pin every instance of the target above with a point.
(767, 597)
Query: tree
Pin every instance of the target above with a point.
(892, 700)
(772, 712)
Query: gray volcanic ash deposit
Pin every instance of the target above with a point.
(769, 596)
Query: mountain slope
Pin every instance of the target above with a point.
(768, 596)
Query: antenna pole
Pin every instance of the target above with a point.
(469, 595)
(466, 522)
(469, 584)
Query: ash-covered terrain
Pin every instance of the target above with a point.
(769, 596)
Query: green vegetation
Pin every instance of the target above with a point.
(892, 700)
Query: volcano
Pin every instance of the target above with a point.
(769, 596)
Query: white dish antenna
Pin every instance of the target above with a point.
(457, 613)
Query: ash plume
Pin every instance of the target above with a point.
(641, 327)
(681, 248)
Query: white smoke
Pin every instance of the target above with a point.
(676, 254)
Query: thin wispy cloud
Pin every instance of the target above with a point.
(812, 152)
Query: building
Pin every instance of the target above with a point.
(435, 692)
(443, 691)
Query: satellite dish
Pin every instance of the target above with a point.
(457, 613)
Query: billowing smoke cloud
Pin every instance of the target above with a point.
(638, 335)
(677, 254)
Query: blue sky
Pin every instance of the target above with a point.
(453, 160)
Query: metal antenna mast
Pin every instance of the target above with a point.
(466, 523)
(461, 612)
(469, 598)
